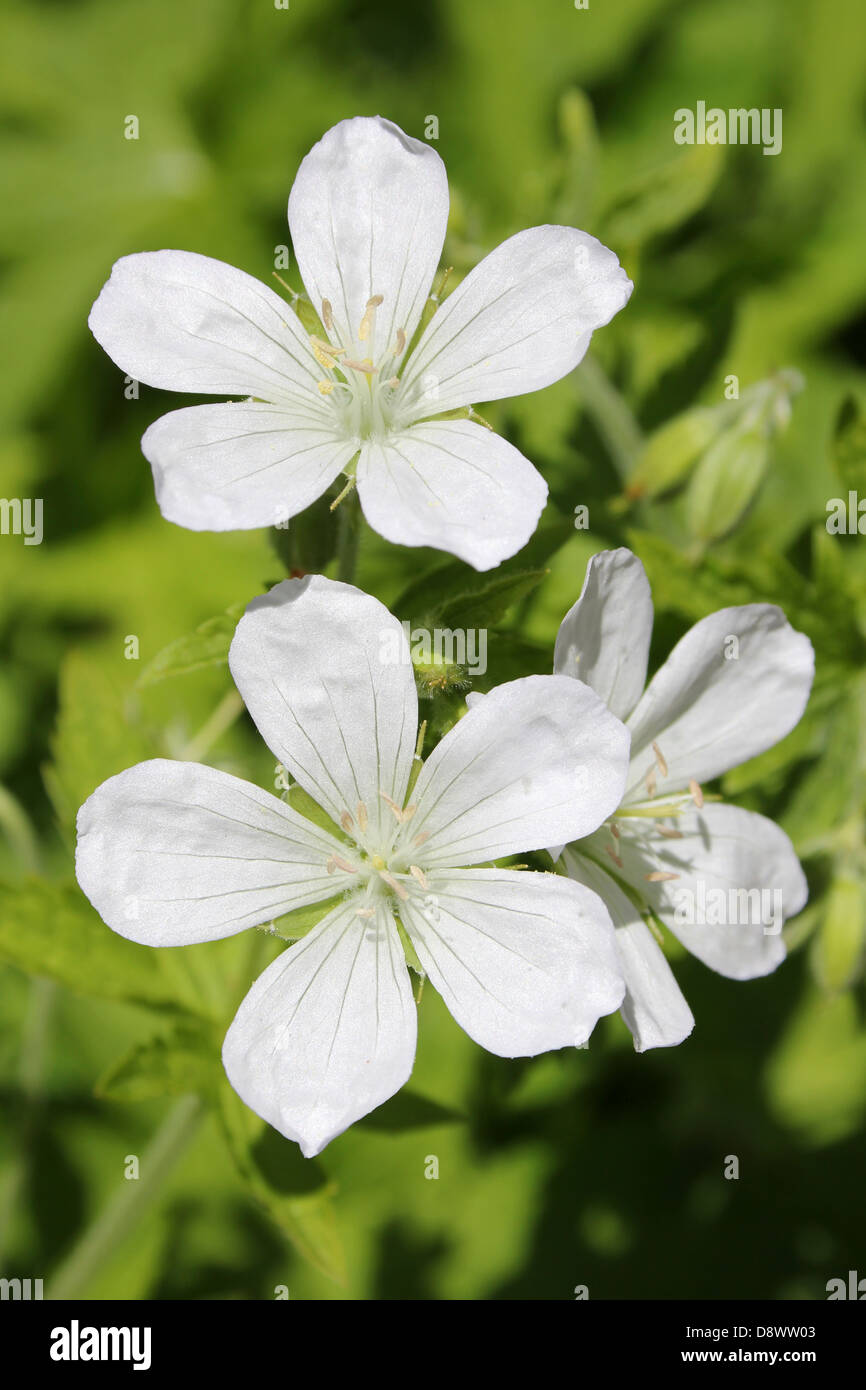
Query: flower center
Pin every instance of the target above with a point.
(382, 864)
(359, 384)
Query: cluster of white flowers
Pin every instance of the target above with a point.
(525, 961)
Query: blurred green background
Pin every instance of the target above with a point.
(598, 1167)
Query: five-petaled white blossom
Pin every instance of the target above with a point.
(720, 878)
(367, 216)
(525, 961)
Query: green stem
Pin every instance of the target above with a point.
(225, 714)
(126, 1208)
(611, 414)
(31, 1067)
(15, 824)
(348, 536)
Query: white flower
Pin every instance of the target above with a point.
(721, 878)
(367, 215)
(172, 853)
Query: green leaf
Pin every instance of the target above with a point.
(663, 198)
(208, 645)
(488, 604)
(293, 1190)
(50, 929)
(849, 446)
(93, 739)
(184, 1061)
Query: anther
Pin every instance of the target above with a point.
(361, 813)
(336, 862)
(697, 794)
(650, 782)
(658, 877)
(669, 832)
(419, 875)
(393, 884)
(327, 315)
(347, 822)
(325, 387)
(365, 912)
(419, 839)
(401, 341)
(369, 314)
(614, 856)
(663, 767)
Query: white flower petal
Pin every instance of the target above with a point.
(324, 670)
(654, 1008)
(367, 213)
(519, 321)
(709, 710)
(525, 962)
(453, 485)
(173, 853)
(328, 1031)
(234, 466)
(183, 322)
(604, 639)
(737, 879)
(539, 761)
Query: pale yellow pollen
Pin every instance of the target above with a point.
(658, 877)
(323, 354)
(419, 875)
(378, 862)
(347, 822)
(614, 856)
(697, 794)
(394, 885)
(663, 767)
(369, 314)
(327, 315)
(325, 387)
(336, 862)
(361, 813)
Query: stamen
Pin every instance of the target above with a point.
(650, 782)
(659, 877)
(327, 315)
(697, 794)
(347, 489)
(393, 884)
(401, 340)
(365, 912)
(614, 830)
(392, 381)
(669, 832)
(325, 387)
(347, 822)
(336, 862)
(365, 366)
(323, 353)
(663, 767)
(369, 315)
(419, 839)
(400, 814)
(419, 875)
(361, 813)
(614, 856)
